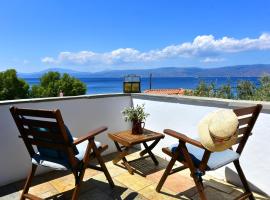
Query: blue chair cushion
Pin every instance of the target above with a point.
(216, 160)
(48, 152)
(61, 164)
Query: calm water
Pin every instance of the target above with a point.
(115, 85)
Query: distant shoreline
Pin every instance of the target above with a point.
(114, 85)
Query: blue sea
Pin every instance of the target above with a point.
(115, 85)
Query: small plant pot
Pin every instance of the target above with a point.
(137, 127)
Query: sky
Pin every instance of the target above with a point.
(97, 35)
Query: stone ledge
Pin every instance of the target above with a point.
(96, 96)
(203, 101)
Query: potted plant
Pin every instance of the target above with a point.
(137, 116)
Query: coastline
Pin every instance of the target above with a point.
(115, 85)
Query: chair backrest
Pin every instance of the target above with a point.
(247, 118)
(45, 130)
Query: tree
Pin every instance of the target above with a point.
(246, 90)
(205, 90)
(263, 91)
(71, 86)
(12, 87)
(52, 83)
(37, 91)
(225, 91)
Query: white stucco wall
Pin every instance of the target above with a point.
(255, 159)
(80, 115)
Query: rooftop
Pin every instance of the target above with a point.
(141, 186)
(179, 91)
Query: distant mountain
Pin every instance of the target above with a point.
(237, 71)
(60, 70)
(256, 70)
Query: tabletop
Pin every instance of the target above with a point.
(126, 138)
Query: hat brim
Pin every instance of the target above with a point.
(206, 139)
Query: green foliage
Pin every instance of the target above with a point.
(245, 90)
(72, 86)
(263, 91)
(189, 92)
(135, 113)
(37, 91)
(49, 79)
(52, 83)
(205, 90)
(12, 87)
(225, 91)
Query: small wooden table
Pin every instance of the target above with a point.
(127, 140)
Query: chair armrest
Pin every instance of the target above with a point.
(90, 135)
(183, 138)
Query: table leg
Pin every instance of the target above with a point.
(148, 150)
(143, 152)
(121, 156)
(129, 168)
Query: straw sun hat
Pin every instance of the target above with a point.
(218, 130)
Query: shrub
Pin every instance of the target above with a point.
(12, 87)
(52, 83)
(205, 90)
(245, 90)
(225, 92)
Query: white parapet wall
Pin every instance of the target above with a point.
(81, 114)
(184, 113)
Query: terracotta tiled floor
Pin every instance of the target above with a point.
(141, 186)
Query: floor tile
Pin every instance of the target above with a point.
(94, 194)
(150, 193)
(89, 173)
(64, 183)
(134, 182)
(237, 192)
(115, 170)
(218, 184)
(213, 194)
(174, 182)
(127, 194)
(43, 188)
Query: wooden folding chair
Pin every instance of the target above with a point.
(194, 156)
(50, 144)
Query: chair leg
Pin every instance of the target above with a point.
(243, 179)
(199, 186)
(79, 177)
(78, 184)
(28, 181)
(103, 166)
(165, 174)
(197, 179)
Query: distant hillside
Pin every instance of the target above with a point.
(237, 71)
(61, 70)
(232, 71)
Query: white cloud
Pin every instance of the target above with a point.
(203, 46)
(48, 60)
(212, 60)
